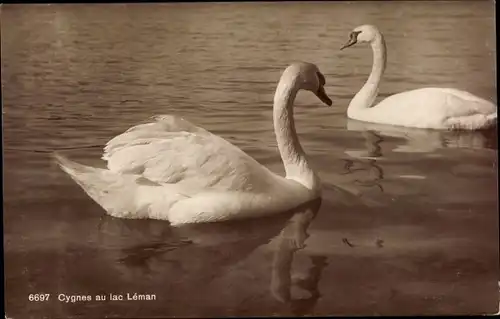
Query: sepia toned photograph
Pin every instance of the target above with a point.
(250, 159)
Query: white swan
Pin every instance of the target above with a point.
(173, 170)
(430, 108)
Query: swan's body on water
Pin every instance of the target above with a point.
(428, 108)
(170, 169)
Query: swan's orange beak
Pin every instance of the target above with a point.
(321, 94)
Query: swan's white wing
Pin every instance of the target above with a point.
(446, 101)
(430, 108)
(461, 103)
(172, 150)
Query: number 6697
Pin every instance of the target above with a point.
(38, 297)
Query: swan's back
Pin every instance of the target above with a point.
(170, 150)
(434, 108)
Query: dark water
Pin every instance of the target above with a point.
(408, 223)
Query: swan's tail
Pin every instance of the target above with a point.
(75, 170)
(113, 192)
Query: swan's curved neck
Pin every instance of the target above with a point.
(292, 153)
(366, 96)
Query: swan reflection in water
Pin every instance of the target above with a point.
(198, 261)
(362, 168)
(370, 168)
(426, 141)
(291, 239)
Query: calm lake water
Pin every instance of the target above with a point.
(408, 223)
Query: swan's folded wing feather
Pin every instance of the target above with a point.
(463, 103)
(172, 150)
(159, 126)
(427, 103)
